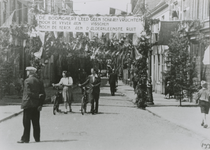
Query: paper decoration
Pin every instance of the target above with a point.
(206, 58)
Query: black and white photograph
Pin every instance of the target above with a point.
(104, 75)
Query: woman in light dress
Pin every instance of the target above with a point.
(67, 92)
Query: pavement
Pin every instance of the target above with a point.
(187, 116)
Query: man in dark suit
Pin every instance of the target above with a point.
(113, 82)
(33, 98)
(93, 82)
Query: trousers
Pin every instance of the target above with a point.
(31, 115)
(112, 88)
(94, 100)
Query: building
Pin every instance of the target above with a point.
(20, 9)
(18, 13)
(176, 10)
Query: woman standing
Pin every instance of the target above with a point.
(204, 102)
(67, 92)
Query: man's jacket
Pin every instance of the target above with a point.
(113, 79)
(94, 86)
(33, 93)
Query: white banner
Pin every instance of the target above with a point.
(114, 24)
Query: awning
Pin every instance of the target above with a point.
(166, 28)
(206, 58)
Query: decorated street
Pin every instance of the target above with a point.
(142, 68)
(119, 125)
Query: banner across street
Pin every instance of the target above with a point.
(115, 24)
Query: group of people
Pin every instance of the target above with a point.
(34, 96)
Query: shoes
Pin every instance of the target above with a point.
(202, 124)
(37, 140)
(205, 126)
(21, 141)
(65, 112)
(70, 110)
(93, 112)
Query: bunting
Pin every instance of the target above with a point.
(206, 59)
(8, 22)
(41, 36)
(39, 53)
(137, 54)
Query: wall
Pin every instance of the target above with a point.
(157, 59)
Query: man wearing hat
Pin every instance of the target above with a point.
(113, 82)
(33, 97)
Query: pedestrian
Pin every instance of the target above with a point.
(149, 90)
(113, 82)
(67, 93)
(135, 81)
(168, 90)
(32, 101)
(93, 82)
(204, 102)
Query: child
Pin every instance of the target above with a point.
(204, 102)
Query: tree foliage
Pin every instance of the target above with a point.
(182, 65)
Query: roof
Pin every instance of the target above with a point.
(160, 6)
(151, 4)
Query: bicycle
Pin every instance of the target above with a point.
(84, 100)
(56, 100)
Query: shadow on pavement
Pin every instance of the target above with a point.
(106, 94)
(106, 113)
(172, 105)
(58, 141)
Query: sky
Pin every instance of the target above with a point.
(98, 6)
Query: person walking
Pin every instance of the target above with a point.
(113, 82)
(149, 91)
(135, 81)
(32, 101)
(204, 102)
(93, 82)
(67, 92)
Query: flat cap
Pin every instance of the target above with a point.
(31, 69)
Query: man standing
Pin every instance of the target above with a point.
(113, 82)
(33, 98)
(93, 82)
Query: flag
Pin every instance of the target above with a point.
(86, 47)
(206, 58)
(165, 31)
(55, 34)
(41, 36)
(39, 53)
(135, 39)
(137, 54)
(97, 50)
(8, 22)
(33, 33)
